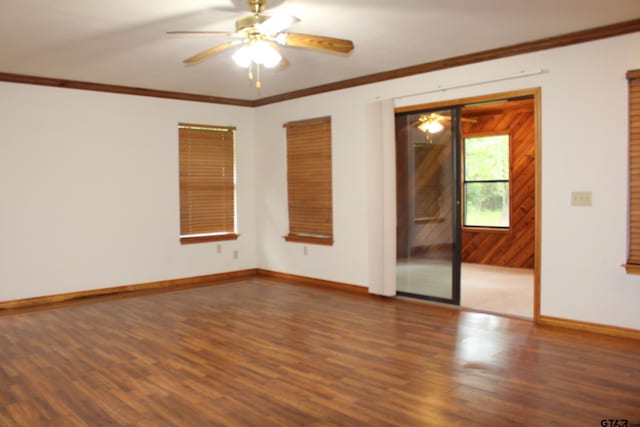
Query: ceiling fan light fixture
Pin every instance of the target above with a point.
(430, 123)
(242, 57)
(431, 126)
(260, 52)
(434, 127)
(264, 54)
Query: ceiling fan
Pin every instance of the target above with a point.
(431, 123)
(259, 37)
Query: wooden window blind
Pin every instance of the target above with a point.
(207, 183)
(633, 262)
(309, 181)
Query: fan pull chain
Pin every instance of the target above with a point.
(251, 75)
(258, 83)
(250, 68)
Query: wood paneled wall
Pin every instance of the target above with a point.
(516, 247)
(424, 176)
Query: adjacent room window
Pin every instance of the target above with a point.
(486, 181)
(633, 262)
(309, 181)
(207, 183)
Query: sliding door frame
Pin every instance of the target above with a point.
(456, 198)
(535, 94)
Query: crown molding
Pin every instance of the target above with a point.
(577, 37)
(125, 90)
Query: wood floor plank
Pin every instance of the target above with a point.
(258, 352)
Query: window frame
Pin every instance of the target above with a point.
(304, 227)
(224, 233)
(464, 181)
(632, 265)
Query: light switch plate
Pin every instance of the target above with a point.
(581, 198)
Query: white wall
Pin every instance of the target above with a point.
(89, 191)
(346, 261)
(584, 147)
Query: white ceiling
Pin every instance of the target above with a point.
(123, 42)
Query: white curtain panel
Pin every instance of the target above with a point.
(381, 195)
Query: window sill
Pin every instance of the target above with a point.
(497, 230)
(213, 238)
(632, 268)
(327, 241)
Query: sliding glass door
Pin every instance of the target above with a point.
(428, 205)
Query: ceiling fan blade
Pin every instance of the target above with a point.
(309, 41)
(417, 123)
(210, 52)
(276, 24)
(200, 33)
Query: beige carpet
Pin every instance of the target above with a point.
(497, 289)
(485, 288)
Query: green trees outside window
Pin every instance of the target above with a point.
(486, 181)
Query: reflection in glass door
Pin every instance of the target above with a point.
(427, 165)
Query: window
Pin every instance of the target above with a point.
(486, 181)
(207, 183)
(309, 181)
(633, 262)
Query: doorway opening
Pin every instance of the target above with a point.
(467, 200)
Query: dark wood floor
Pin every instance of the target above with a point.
(261, 353)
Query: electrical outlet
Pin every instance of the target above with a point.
(305, 250)
(219, 248)
(581, 198)
(235, 254)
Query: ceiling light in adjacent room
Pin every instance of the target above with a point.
(430, 123)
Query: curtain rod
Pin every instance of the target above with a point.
(444, 88)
